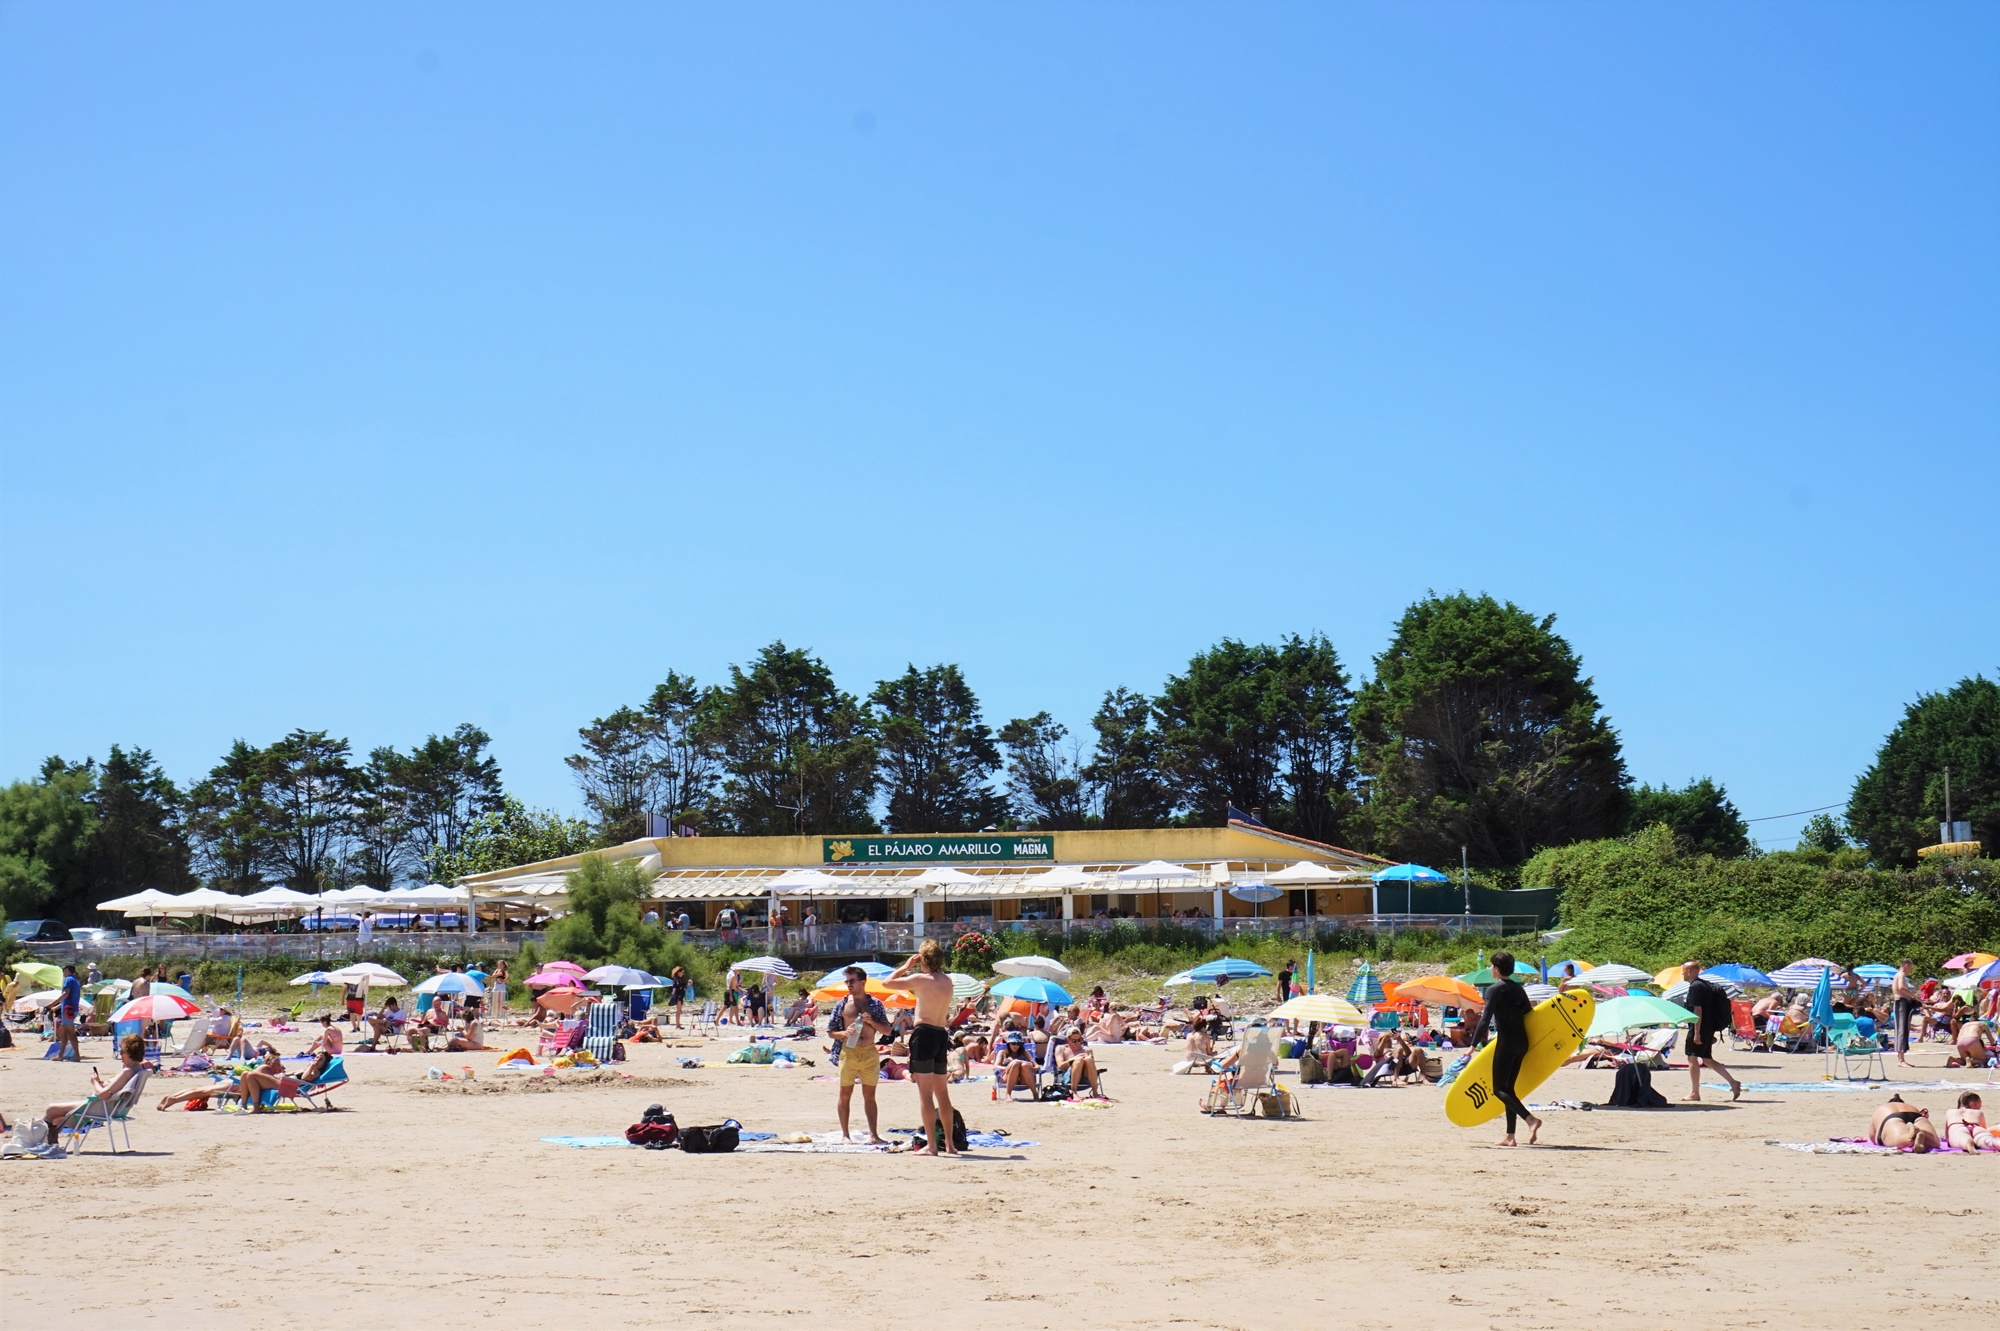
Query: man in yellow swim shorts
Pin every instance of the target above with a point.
(856, 1022)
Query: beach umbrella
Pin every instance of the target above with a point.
(1256, 892)
(1987, 974)
(1967, 961)
(1310, 986)
(569, 966)
(1670, 976)
(547, 979)
(1045, 968)
(1876, 973)
(1822, 1004)
(777, 966)
(837, 979)
(1226, 968)
(1327, 1008)
(1635, 1011)
(171, 990)
(1033, 989)
(36, 1002)
(1736, 973)
(1804, 973)
(368, 973)
(1480, 978)
(1568, 970)
(1447, 990)
(1614, 973)
(836, 991)
(1677, 991)
(451, 982)
(965, 986)
(1366, 988)
(39, 972)
(156, 1007)
(314, 978)
(114, 986)
(1156, 871)
(1409, 873)
(618, 976)
(1539, 992)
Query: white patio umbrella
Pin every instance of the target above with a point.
(1156, 871)
(1061, 878)
(1305, 871)
(1045, 968)
(366, 972)
(777, 966)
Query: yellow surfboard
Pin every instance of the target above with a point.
(1555, 1029)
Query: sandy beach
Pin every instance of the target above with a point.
(421, 1202)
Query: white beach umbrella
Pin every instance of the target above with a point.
(1156, 871)
(1305, 871)
(620, 977)
(777, 966)
(152, 901)
(1061, 878)
(1044, 968)
(1613, 973)
(366, 972)
(797, 880)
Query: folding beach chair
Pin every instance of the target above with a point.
(710, 1017)
(312, 1094)
(109, 1114)
(603, 1032)
(1847, 1048)
(1743, 1026)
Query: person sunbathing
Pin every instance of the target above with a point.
(1109, 1028)
(249, 1086)
(131, 1053)
(1016, 1070)
(1075, 1058)
(1896, 1124)
(327, 1046)
(1965, 1125)
(1200, 1044)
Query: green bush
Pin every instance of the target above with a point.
(1645, 901)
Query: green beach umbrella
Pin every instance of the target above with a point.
(1634, 1011)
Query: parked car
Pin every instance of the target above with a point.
(47, 940)
(93, 937)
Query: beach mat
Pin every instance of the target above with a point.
(1793, 1087)
(1857, 1146)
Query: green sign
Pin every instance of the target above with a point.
(977, 848)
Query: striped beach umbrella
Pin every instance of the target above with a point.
(1366, 988)
(1805, 973)
(777, 966)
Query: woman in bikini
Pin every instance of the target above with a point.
(1965, 1126)
(1896, 1124)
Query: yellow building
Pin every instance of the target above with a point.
(1141, 874)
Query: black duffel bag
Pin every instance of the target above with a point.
(712, 1140)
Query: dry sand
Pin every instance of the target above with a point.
(414, 1207)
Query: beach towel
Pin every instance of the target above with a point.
(1856, 1146)
(1796, 1086)
(587, 1143)
(515, 1059)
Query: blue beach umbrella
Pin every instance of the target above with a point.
(1408, 875)
(1876, 973)
(451, 982)
(875, 971)
(1366, 988)
(1033, 989)
(1310, 988)
(1737, 973)
(1226, 968)
(1822, 1004)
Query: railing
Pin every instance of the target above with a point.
(798, 940)
(314, 947)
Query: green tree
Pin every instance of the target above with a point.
(139, 841)
(1265, 729)
(798, 751)
(1898, 802)
(1124, 775)
(382, 845)
(511, 835)
(1044, 774)
(1823, 832)
(1479, 730)
(660, 758)
(46, 829)
(309, 792)
(447, 782)
(229, 821)
(1700, 814)
(937, 754)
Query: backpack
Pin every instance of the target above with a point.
(712, 1140)
(1716, 1015)
(959, 1141)
(653, 1136)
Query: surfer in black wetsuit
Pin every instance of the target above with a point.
(1507, 1008)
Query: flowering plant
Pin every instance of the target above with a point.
(972, 949)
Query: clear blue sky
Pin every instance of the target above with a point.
(380, 368)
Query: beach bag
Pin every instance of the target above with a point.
(1054, 1093)
(754, 1053)
(959, 1140)
(1633, 1089)
(652, 1135)
(1276, 1103)
(715, 1140)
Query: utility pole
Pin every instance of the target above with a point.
(1947, 796)
(1465, 880)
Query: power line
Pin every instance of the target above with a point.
(1773, 817)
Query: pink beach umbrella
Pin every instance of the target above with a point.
(549, 978)
(569, 966)
(157, 1007)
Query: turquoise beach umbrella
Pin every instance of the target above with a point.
(1366, 988)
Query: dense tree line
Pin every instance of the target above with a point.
(301, 811)
(1477, 729)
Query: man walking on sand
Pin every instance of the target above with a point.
(930, 1042)
(860, 1015)
(1903, 991)
(1710, 1004)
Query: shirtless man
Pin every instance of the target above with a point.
(1075, 1057)
(325, 1049)
(1908, 1002)
(930, 1041)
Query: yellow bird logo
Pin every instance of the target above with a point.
(842, 850)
